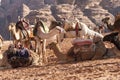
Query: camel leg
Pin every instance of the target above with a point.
(35, 46)
(44, 51)
(37, 43)
(39, 52)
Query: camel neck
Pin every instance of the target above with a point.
(52, 33)
(58, 51)
(109, 26)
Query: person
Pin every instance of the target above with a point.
(12, 57)
(18, 57)
(24, 55)
(25, 23)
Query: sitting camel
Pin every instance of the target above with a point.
(95, 50)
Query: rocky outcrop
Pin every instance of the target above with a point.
(43, 14)
(25, 10)
(96, 13)
(113, 6)
(35, 4)
(88, 11)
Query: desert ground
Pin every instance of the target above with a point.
(105, 69)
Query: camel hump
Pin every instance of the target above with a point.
(80, 42)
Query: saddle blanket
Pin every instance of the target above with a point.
(82, 42)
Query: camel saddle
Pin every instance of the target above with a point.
(83, 45)
(82, 42)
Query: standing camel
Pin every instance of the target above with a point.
(18, 36)
(40, 35)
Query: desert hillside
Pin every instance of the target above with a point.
(88, 11)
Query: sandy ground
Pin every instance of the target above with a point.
(106, 69)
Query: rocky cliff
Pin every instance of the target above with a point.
(88, 11)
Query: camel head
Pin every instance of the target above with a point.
(38, 25)
(105, 20)
(68, 26)
(111, 37)
(11, 26)
(55, 23)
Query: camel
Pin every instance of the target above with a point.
(40, 34)
(59, 54)
(81, 27)
(115, 26)
(18, 35)
(95, 50)
(114, 38)
(23, 33)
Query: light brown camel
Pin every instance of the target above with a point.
(115, 26)
(41, 35)
(18, 36)
(13, 33)
(97, 51)
(59, 54)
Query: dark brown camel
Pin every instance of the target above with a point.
(115, 26)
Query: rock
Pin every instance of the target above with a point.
(87, 11)
(25, 10)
